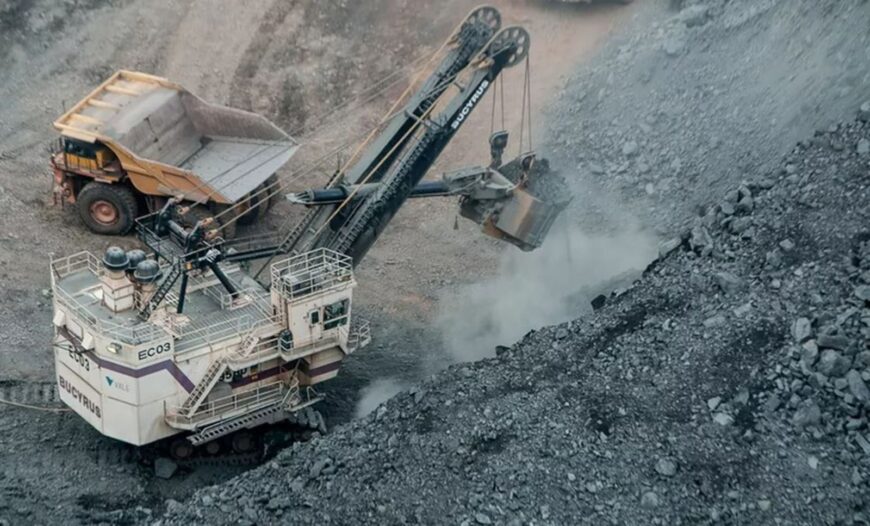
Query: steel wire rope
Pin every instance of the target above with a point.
(351, 104)
(440, 88)
(414, 128)
(383, 90)
(445, 84)
(372, 171)
(374, 130)
(526, 106)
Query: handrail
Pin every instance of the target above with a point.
(252, 341)
(277, 391)
(140, 332)
(270, 346)
(77, 262)
(213, 331)
(315, 271)
(262, 301)
(359, 336)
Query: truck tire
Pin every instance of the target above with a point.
(108, 209)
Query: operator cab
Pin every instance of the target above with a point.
(78, 154)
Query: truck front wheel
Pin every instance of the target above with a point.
(106, 208)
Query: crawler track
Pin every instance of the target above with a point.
(19, 397)
(36, 394)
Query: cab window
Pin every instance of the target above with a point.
(335, 314)
(82, 149)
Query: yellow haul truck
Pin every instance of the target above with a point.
(138, 140)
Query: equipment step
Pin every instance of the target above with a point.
(193, 401)
(224, 428)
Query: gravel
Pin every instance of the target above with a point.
(689, 101)
(640, 412)
(727, 384)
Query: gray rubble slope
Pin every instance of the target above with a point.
(729, 383)
(685, 102)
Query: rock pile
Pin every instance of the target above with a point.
(690, 100)
(729, 384)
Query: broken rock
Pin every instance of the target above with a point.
(695, 15)
(740, 225)
(801, 329)
(857, 386)
(674, 46)
(808, 414)
(649, 500)
(666, 247)
(700, 241)
(715, 321)
(728, 282)
(666, 467)
(809, 353)
(833, 341)
(832, 363)
(772, 403)
(164, 468)
(745, 205)
(723, 419)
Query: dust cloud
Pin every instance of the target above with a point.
(530, 290)
(375, 393)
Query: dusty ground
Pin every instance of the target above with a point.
(291, 61)
(689, 99)
(727, 385)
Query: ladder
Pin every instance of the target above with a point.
(225, 428)
(249, 343)
(161, 292)
(253, 419)
(254, 339)
(196, 397)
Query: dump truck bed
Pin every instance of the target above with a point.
(228, 152)
(233, 165)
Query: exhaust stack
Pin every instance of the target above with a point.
(147, 274)
(117, 288)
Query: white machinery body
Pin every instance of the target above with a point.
(226, 361)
